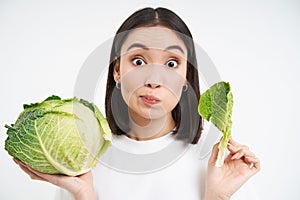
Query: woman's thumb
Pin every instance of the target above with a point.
(214, 154)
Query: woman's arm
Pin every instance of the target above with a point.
(239, 166)
(81, 187)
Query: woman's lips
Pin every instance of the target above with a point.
(151, 100)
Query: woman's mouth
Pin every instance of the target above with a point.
(150, 100)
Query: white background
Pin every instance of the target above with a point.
(254, 44)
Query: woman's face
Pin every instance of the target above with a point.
(152, 71)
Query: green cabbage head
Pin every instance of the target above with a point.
(59, 136)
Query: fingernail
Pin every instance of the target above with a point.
(251, 165)
(230, 146)
(235, 156)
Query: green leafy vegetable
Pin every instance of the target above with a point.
(215, 105)
(59, 136)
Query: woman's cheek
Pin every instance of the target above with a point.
(130, 83)
(170, 102)
(138, 77)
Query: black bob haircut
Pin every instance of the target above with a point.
(188, 122)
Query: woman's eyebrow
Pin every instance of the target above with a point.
(142, 46)
(137, 45)
(175, 47)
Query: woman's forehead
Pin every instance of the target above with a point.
(156, 37)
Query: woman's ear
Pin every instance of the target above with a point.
(116, 64)
(116, 76)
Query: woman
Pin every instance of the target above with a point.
(151, 102)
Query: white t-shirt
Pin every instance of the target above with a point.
(160, 169)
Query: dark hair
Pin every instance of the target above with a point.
(188, 123)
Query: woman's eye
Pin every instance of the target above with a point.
(138, 61)
(172, 63)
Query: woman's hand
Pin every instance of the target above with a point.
(81, 186)
(239, 166)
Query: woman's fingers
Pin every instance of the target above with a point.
(214, 154)
(233, 142)
(58, 180)
(75, 185)
(238, 151)
(241, 152)
(254, 163)
(36, 175)
(28, 171)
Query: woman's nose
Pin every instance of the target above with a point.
(153, 85)
(154, 76)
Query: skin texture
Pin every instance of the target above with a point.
(145, 70)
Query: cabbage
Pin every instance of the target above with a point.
(215, 105)
(59, 136)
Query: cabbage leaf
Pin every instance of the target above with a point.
(215, 105)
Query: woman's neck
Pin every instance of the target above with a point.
(147, 129)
